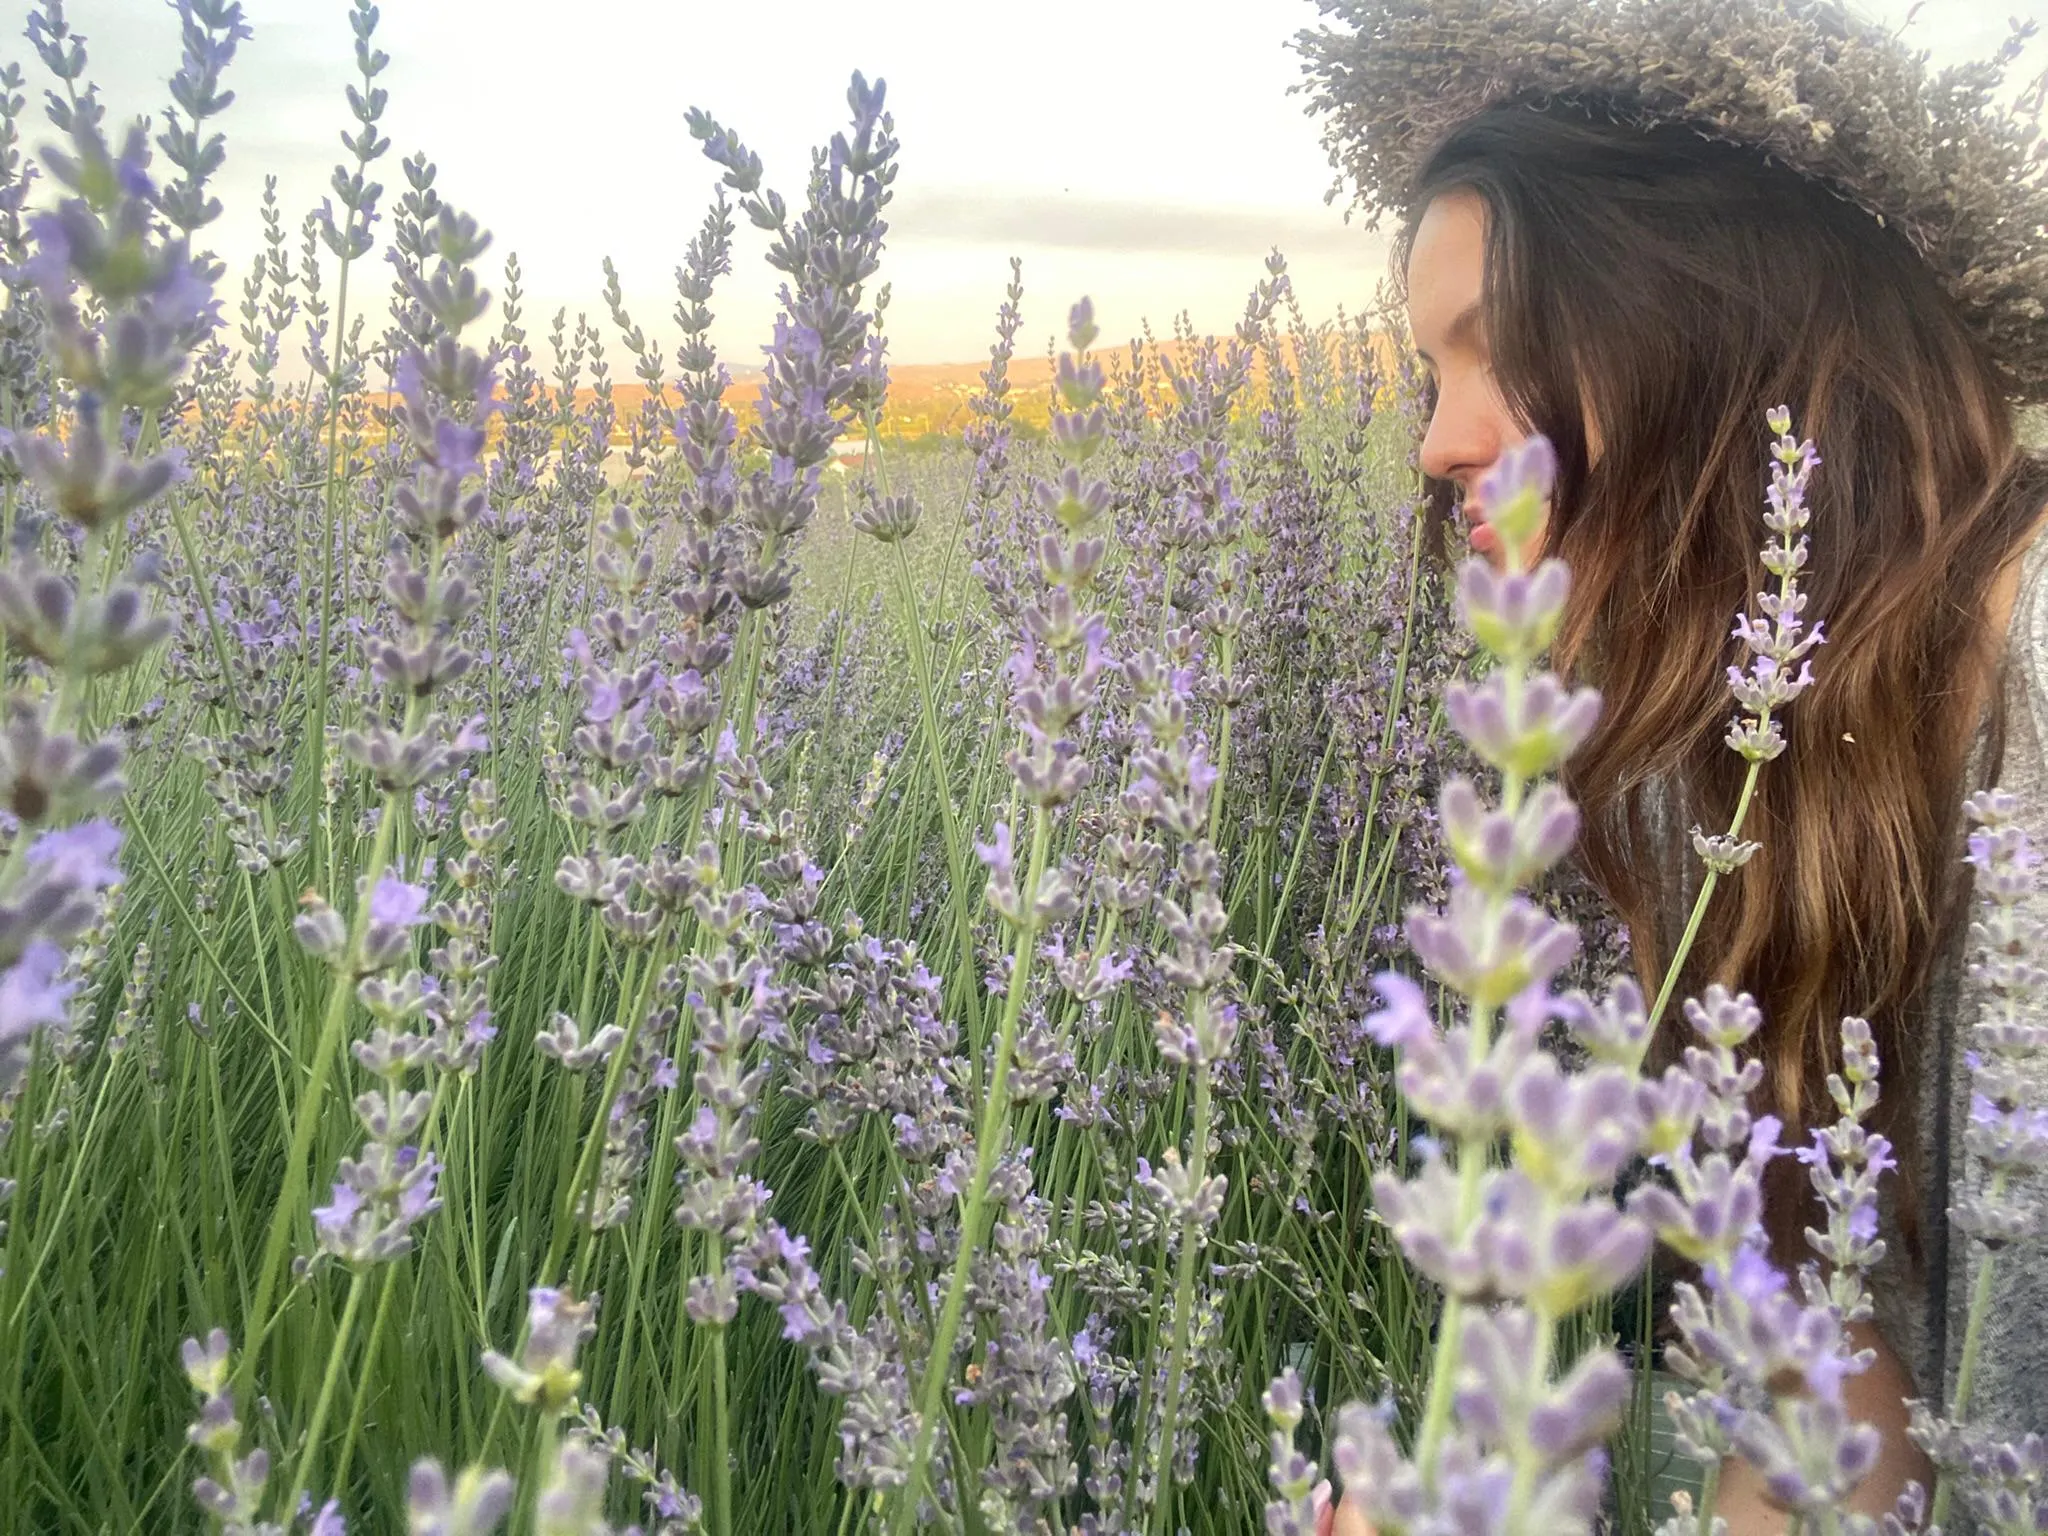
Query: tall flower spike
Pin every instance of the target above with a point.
(1777, 638)
(1766, 1363)
(825, 364)
(546, 1374)
(122, 312)
(2007, 1142)
(446, 397)
(231, 1492)
(1530, 1242)
(1054, 674)
(474, 1505)
(1297, 1495)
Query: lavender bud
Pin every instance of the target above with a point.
(474, 1506)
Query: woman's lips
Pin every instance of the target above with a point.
(1479, 531)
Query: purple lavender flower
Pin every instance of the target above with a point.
(572, 1495)
(1777, 639)
(397, 904)
(82, 855)
(1297, 1494)
(34, 993)
(473, 1506)
(121, 311)
(231, 1493)
(825, 362)
(2007, 1141)
(1501, 1447)
(546, 1374)
(678, 1510)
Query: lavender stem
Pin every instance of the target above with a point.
(328, 1380)
(1183, 1294)
(995, 1117)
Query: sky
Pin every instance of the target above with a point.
(1147, 153)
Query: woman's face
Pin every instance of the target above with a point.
(1472, 423)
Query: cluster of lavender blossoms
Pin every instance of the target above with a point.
(2000, 1483)
(123, 308)
(1054, 674)
(121, 303)
(1505, 1444)
(572, 1471)
(825, 362)
(446, 398)
(232, 1490)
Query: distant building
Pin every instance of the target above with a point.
(850, 453)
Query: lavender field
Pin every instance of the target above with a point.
(518, 895)
(746, 994)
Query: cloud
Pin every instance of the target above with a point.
(1127, 226)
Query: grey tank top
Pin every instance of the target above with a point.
(1922, 1309)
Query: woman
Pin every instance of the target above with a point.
(1615, 237)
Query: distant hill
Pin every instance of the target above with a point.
(931, 399)
(925, 399)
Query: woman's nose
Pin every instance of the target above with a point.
(1462, 441)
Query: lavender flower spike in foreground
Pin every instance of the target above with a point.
(231, 1492)
(122, 313)
(1297, 1496)
(2002, 1484)
(474, 1506)
(1541, 1236)
(1055, 674)
(1500, 1442)
(1766, 1366)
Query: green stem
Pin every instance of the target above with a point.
(1443, 1366)
(1286, 902)
(362, 1398)
(1528, 1461)
(317, 720)
(1710, 1492)
(55, 1227)
(545, 1438)
(995, 1115)
(956, 848)
(306, 1117)
(1973, 1341)
(754, 639)
(721, 1419)
(1713, 877)
(569, 1175)
(1183, 1302)
(328, 1381)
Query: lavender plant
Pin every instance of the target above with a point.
(2001, 1483)
(120, 311)
(1507, 1438)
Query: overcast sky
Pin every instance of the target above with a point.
(1145, 152)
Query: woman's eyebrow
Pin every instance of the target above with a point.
(1463, 331)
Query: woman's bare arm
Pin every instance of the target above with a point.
(1877, 1397)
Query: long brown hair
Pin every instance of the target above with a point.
(1671, 288)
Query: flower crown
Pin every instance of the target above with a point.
(1806, 82)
